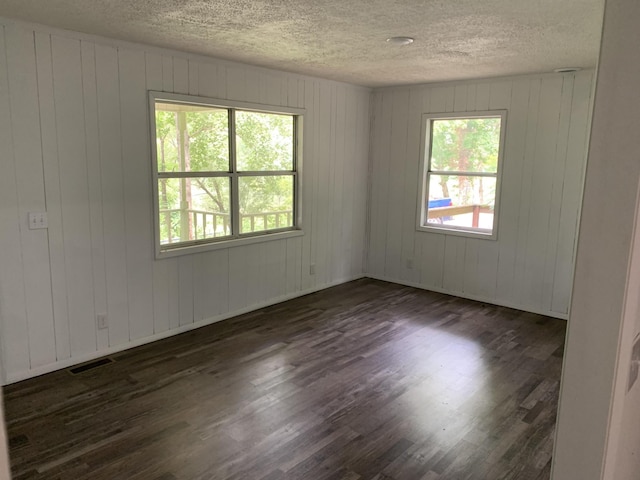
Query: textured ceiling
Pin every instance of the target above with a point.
(345, 39)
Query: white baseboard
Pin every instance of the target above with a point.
(68, 362)
(478, 298)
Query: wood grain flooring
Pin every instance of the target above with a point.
(367, 380)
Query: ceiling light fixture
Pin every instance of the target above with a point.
(400, 40)
(567, 69)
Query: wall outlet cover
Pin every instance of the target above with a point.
(102, 321)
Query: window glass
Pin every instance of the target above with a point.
(461, 201)
(465, 145)
(461, 172)
(266, 202)
(192, 138)
(206, 211)
(264, 141)
(209, 188)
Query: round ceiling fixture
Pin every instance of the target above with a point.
(400, 40)
(567, 69)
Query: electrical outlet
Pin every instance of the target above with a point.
(38, 220)
(312, 269)
(409, 263)
(102, 321)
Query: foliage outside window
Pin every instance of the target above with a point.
(221, 172)
(461, 165)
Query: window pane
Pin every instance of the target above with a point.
(465, 145)
(192, 138)
(266, 203)
(461, 201)
(264, 141)
(193, 209)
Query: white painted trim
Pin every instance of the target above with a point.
(426, 141)
(477, 298)
(367, 224)
(626, 339)
(19, 376)
(236, 239)
(230, 243)
(168, 97)
(587, 142)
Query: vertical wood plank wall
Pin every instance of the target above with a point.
(530, 265)
(74, 142)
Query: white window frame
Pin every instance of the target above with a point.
(236, 238)
(425, 171)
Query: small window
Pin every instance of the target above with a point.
(222, 172)
(461, 173)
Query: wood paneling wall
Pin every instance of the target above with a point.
(74, 142)
(530, 265)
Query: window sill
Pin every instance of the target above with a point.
(231, 243)
(480, 235)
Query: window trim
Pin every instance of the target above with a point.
(202, 245)
(426, 141)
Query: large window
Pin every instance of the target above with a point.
(461, 172)
(222, 172)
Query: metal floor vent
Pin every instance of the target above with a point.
(90, 366)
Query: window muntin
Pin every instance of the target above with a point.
(461, 167)
(222, 172)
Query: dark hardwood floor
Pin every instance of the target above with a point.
(367, 380)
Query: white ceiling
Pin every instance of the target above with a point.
(345, 39)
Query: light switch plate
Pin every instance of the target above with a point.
(38, 220)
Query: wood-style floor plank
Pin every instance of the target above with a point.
(367, 380)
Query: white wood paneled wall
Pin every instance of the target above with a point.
(74, 142)
(530, 266)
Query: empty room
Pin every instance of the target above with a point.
(319, 240)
